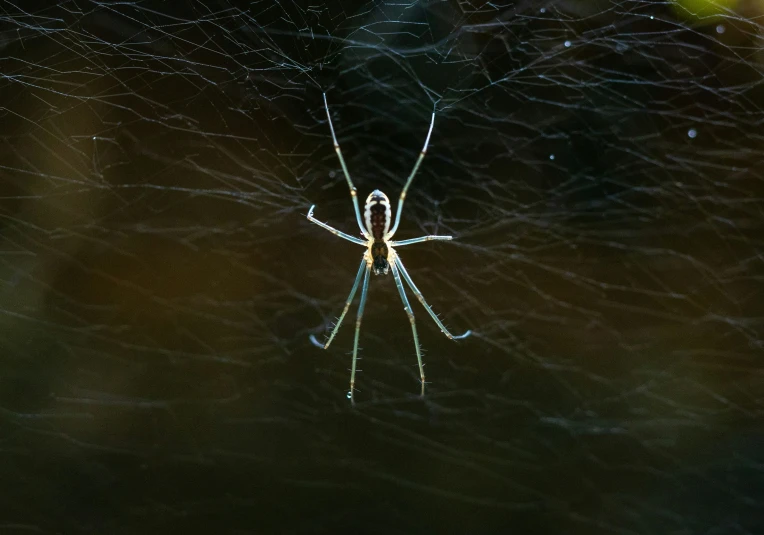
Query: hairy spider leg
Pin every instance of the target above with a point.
(353, 192)
(412, 241)
(411, 177)
(364, 292)
(410, 314)
(407, 278)
(364, 264)
(333, 230)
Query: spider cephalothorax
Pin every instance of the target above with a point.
(379, 252)
(380, 255)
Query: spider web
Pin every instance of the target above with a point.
(598, 162)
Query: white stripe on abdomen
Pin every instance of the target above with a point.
(377, 214)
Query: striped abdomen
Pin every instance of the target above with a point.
(377, 214)
(377, 217)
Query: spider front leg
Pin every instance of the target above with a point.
(427, 307)
(344, 310)
(410, 314)
(361, 305)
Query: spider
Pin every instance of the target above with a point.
(380, 255)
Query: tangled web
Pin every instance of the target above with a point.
(598, 162)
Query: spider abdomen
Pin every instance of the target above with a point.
(377, 215)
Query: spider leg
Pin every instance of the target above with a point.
(333, 230)
(344, 310)
(419, 240)
(353, 192)
(427, 307)
(364, 292)
(411, 177)
(410, 314)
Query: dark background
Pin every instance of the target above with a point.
(599, 163)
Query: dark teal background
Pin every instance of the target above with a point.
(599, 164)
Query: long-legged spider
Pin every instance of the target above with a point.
(380, 254)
